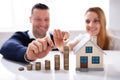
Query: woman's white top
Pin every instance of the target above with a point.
(114, 40)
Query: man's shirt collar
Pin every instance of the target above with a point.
(30, 34)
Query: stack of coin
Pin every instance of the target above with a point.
(29, 67)
(21, 68)
(66, 58)
(47, 64)
(38, 65)
(57, 62)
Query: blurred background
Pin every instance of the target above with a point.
(64, 14)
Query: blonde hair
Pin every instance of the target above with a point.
(102, 37)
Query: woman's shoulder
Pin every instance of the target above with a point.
(114, 38)
(114, 42)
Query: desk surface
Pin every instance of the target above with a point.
(9, 69)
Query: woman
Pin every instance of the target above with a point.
(95, 22)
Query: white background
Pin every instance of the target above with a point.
(65, 14)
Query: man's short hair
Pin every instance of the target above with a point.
(39, 6)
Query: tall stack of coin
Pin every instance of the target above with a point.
(47, 64)
(38, 65)
(66, 58)
(57, 62)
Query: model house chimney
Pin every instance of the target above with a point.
(94, 39)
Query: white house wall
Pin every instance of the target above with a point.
(96, 52)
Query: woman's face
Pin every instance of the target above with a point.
(92, 23)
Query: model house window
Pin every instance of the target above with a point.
(88, 49)
(83, 59)
(95, 60)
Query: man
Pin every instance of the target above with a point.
(30, 45)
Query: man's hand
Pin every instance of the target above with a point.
(39, 48)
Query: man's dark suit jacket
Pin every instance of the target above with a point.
(15, 47)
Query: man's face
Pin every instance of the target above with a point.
(40, 22)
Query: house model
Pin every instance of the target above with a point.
(89, 56)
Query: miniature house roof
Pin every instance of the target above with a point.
(83, 42)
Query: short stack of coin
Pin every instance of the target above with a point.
(38, 65)
(21, 68)
(57, 62)
(47, 64)
(29, 67)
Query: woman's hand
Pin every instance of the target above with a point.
(60, 38)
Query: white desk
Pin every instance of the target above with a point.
(9, 69)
